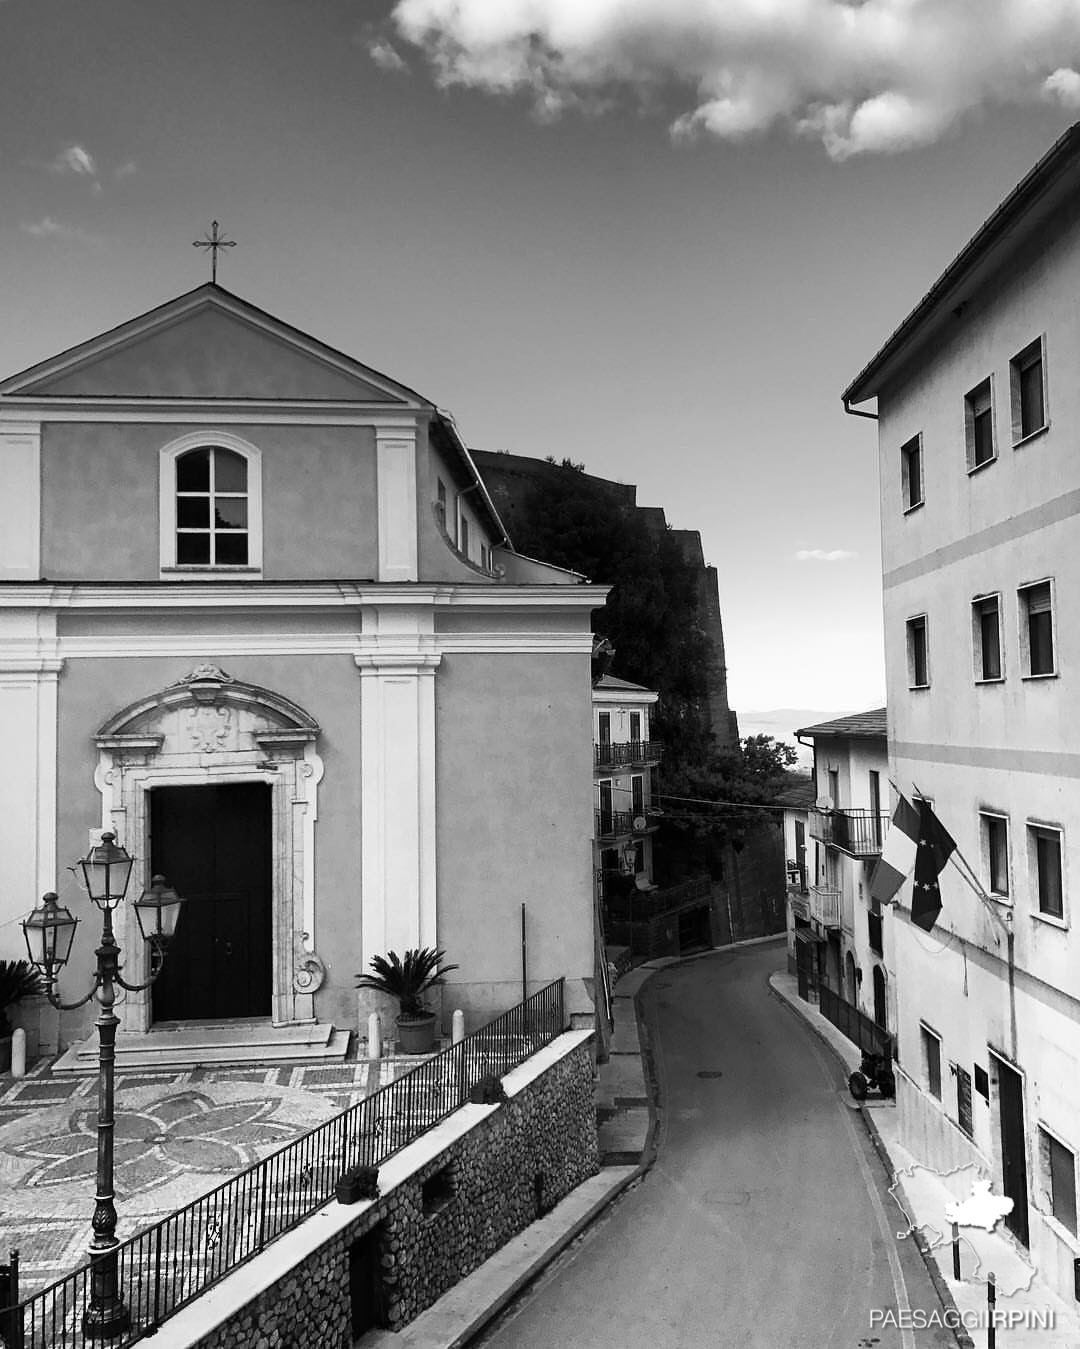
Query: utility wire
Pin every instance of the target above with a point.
(737, 805)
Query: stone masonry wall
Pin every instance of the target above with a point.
(485, 1191)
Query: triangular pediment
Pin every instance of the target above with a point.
(208, 344)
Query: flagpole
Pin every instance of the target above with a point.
(967, 871)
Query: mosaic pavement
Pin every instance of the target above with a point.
(179, 1134)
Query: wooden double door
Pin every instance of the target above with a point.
(213, 845)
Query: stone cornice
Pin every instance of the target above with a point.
(296, 594)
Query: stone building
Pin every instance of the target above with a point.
(260, 617)
(513, 478)
(978, 416)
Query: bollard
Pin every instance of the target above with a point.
(18, 1053)
(458, 1031)
(991, 1303)
(374, 1054)
(956, 1251)
(375, 1036)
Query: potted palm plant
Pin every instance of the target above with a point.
(18, 980)
(407, 978)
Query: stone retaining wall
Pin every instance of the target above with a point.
(429, 1231)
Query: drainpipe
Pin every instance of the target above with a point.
(856, 412)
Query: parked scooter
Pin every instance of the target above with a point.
(873, 1074)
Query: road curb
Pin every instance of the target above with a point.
(963, 1339)
(544, 1258)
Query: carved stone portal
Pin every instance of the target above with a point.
(210, 728)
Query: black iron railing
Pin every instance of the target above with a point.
(613, 823)
(169, 1265)
(627, 753)
(857, 832)
(860, 1029)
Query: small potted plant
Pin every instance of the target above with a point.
(18, 980)
(407, 979)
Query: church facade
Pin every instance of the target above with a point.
(260, 618)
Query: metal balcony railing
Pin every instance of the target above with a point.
(825, 905)
(612, 824)
(859, 833)
(627, 754)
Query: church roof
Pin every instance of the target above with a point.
(72, 372)
(210, 347)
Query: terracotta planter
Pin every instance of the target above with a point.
(416, 1034)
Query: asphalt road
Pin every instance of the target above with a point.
(766, 1220)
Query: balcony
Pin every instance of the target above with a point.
(628, 754)
(859, 833)
(615, 824)
(825, 906)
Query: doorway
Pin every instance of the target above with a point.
(1013, 1156)
(213, 845)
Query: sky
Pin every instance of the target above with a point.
(656, 237)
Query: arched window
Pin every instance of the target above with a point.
(210, 505)
(211, 508)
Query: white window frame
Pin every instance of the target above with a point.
(910, 449)
(1037, 911)
(1024, 621)
(167, 457)
(927, 1033)
(1002, 896)
(910, 649)
(969, 426)
(976, 638)
(1020, 362)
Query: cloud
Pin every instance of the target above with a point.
(823, 555)
(386, 57)
(49, 228)
(74, 159)
(125, 170)
(859, 76)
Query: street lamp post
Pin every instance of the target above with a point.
(49, 932)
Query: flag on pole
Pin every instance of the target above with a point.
(898, 854)
(935, 847)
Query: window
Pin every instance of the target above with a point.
(918, 670)
(986, 637)
(1044, 844)
(210, 505)
(1059, 1171)
(963, 1099)
(931, 1044)
(637, 794)
(995, 851)
(1037, 629)
(911, 476)
(463, 542)
(604, 723)
(982, 1083)
(979, 425)
(635, 728)
(211, 508)
(440, 500)
(1027, 389)
(873, 928)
